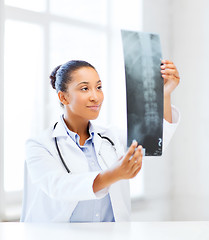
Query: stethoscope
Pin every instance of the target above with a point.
(60, 155)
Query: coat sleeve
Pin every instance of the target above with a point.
(170, 128)
(50, 177)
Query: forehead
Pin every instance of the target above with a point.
(85, 74)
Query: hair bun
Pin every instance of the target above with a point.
(53, 76)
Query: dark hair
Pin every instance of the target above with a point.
(62, 74)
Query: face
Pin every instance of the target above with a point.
(84, 95)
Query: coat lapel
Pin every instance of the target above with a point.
(97, 145)
(74, 157)
(106, 153)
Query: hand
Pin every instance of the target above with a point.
(130, 165)
(127, 167)
(170, 76)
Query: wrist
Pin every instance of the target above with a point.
(167, 101)
(167, 109)
(105, 179)
(167, 96)
(115, 175)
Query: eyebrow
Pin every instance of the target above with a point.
(87, 82)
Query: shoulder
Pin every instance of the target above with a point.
(39, 143)
(45, 135)
(55, 129)
(45, 139)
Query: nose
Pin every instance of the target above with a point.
(94, 96)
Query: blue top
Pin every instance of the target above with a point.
(97, 210)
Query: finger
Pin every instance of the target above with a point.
(138, 159)
(170, 77)
(136, 156)
(165, 61)
(137, 171)
(131, 150)
(168, 66)
(169, 71)
(138, 164)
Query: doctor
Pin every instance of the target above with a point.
(76, 171)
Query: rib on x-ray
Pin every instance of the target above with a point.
(144, 90)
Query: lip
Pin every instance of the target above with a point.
(94, 107)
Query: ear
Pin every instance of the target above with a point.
(62, 98)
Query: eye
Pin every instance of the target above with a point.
(99, 87)
(84, 89)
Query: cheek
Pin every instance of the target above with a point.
(78, 100)
(102, 97)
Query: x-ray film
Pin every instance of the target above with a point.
(144, 90)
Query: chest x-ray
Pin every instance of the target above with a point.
(144, 90)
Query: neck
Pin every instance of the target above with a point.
(77, 125)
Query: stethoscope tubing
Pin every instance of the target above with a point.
(60, 155)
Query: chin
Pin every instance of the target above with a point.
(93, 116)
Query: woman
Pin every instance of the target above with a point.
(92, 185)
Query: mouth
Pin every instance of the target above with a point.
(94, 107)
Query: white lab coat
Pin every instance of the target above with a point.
(51, 194)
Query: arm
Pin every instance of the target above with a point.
(48, 175)
(128, 167)
(171, 81)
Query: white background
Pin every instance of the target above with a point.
(175, 187)
(35, 38)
